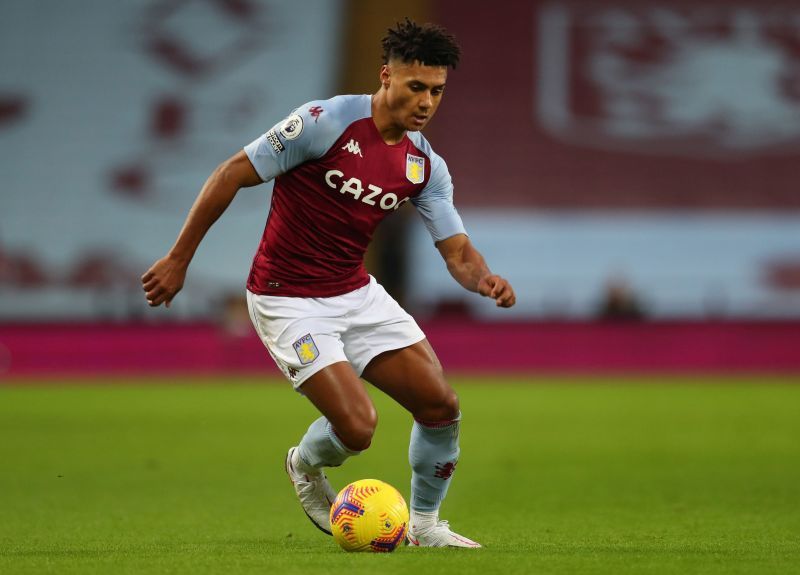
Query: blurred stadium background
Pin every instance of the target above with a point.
(631, 167)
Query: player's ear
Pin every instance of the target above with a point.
(385, 75)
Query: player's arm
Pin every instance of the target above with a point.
(467, 266)
(435, 205)
(165, 277)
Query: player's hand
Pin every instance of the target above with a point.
(163, 280)
(498, 289)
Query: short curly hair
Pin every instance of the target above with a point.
(429, 44)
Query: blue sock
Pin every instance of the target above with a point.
(320, 447)
(433, 454)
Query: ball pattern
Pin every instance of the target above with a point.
(369, 515)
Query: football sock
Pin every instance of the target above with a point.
(320, 447)
(433, 454)
(421, 520)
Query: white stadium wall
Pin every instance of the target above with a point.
(653, 145)
(112, 114)
(675, 265)
(573, 168)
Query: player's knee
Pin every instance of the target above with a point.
(443, 406)
(450, 406)
(356, 433)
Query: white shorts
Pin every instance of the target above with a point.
(304, 335)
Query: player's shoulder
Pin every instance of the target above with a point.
(317, 124)
(421, 142)
(423, 145)
(337, 112)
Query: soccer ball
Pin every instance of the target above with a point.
(369, 515)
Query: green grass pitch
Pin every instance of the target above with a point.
(563, 476)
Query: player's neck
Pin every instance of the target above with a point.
(389, 131)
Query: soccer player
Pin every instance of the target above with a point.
(340, 166)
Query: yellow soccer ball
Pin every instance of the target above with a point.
(369, 515)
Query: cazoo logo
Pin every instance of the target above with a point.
(373, 196)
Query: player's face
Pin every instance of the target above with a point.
(413, 92)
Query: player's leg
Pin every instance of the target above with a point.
(346, 427)
(350, 417)
(301, 336)
(413, 377)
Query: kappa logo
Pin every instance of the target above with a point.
(353, 147)
(315, 112)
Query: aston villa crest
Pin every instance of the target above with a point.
(415, 169)
(306, 349)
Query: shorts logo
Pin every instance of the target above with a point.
(306, 349)
(273, 140)
(292, 127)
(415, 169)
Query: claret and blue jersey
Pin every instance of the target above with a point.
(335, 181)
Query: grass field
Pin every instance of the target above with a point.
(565, 476)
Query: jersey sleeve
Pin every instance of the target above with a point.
(296, 139)
(435, 203)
